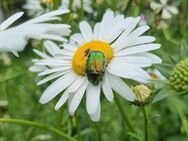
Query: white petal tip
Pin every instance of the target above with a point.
(42, 100)
(56, 107)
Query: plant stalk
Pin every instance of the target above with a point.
(39, 125)
(124, 114)
(146, 123)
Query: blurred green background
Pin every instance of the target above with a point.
(19, 95)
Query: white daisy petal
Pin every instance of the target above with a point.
(70, 47)
(96, 31)
(142, 40)
(138, 49)
(37, 68)
(53, 70)
(134, 60)
(53, 62)
(121, 88)
(86, 31)
(57, 87)
(10, 20)
(76, 84)
(154, 58)
(65, 52)
(132, 36)
(41, 54)
(128, 71)
(77, 97)
(96, 116)
(48, 37)
(107, 18)
(62, 100)
(92, 98)
(78, 38)
(51, 47)
(131, 24)
(107, 90)
(50, 77)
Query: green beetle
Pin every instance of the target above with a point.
(95, 66)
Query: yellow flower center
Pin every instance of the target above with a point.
(81, 55)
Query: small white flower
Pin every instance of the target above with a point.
(15, 38)
(166, 10)
(95, 61)
(77, 5)
(155, 74)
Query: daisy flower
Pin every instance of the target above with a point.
(15, 38)
(77, 5)
(97, 61)
(166, 10)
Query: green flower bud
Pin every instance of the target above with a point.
(179, 76)
(143, 95)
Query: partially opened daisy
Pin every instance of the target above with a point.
(96, 61)
(155, 74)
(15, 38)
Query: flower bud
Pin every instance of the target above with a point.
(179, 76)
(143, 95)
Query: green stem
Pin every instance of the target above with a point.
(128, 6)
(78, 128)
(70, 4)
(113, 5)
(82, 10)
(98, 132)
(146, 121)
(39, 125)
(124, 114)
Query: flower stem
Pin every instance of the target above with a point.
(146, 121)
(39, 125)
(128, 6)
(81, 9)
(78, 128)
(124, 114)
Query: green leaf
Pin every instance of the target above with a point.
(165, 69)
(183, 51)
(164, 93)
(173, 60)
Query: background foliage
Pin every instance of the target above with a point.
(19, 95)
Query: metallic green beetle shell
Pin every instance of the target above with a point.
(95, 67)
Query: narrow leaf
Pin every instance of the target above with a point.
(165, 69)
(183, 50)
